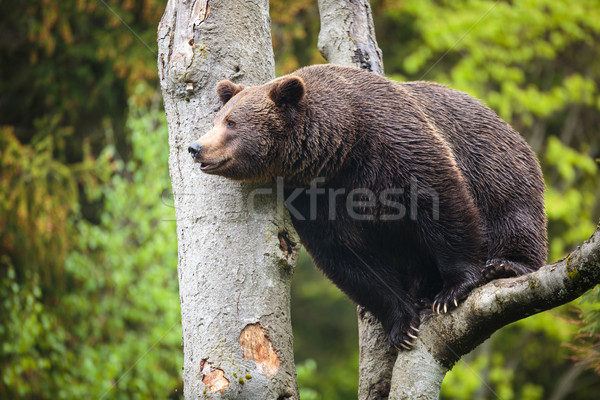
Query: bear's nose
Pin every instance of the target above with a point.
(195, 149)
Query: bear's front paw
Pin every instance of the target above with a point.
(404, 331)
(449, 297)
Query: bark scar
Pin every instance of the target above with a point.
(257, 346)
(213, 378)
(286, 245)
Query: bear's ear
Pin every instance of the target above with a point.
(289, 91)
(227, 89)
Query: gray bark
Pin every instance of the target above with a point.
(236, 251)
(376, 358)
(346, 36)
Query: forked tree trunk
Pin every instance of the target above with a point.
(236, 251)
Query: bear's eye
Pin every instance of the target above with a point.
(230, 124)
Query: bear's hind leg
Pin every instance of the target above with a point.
(402, 326)
(517, 240)
(393, 307)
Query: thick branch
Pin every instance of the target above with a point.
(444, 339)
(501, 302)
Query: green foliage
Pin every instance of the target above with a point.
(86, 282)
(586, 348)
(294, 31)
(37, 196)
(73, 64)
(570, 201)
(307, 373)
(503, 52)
(325, 329)
(523, 360)
(114, 330)
(88, 296)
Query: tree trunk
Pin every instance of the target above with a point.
(236, 251)
(347, 35)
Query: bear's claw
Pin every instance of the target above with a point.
(406, 345)
(450, 296)
(442, 308)
(404, 338)
(438, 308)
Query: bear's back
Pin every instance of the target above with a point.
(489, 152)
(498, 166)
(492, 156)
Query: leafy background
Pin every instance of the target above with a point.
(88, 290)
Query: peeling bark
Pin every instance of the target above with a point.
(235, 261)
(213, 378)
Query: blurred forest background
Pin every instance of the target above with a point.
(89, 306)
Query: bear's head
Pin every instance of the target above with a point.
(248, 139)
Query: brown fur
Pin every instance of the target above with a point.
(355, 130)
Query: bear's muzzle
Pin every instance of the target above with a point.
(194, 149)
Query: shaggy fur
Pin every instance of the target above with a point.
(455, 195)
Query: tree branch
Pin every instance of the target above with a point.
(503, 301)
(444, 339)
(376, 357)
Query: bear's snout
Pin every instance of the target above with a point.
(194, 149)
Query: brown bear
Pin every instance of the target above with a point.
(404, 194)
